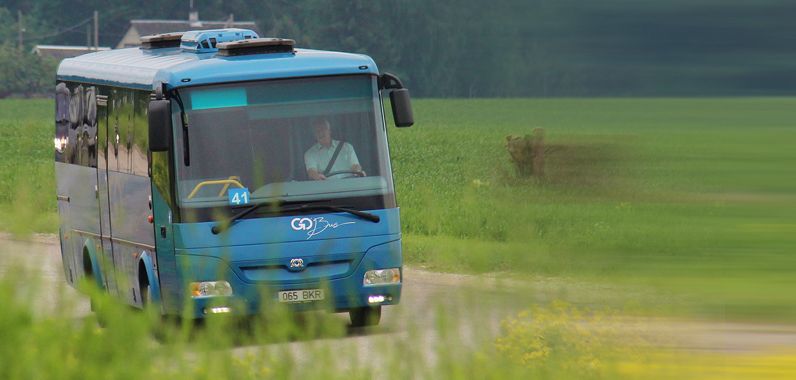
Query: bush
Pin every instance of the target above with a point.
(527, 153)
(24, 73)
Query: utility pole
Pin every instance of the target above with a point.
(88, 37)
(96, 31)
(21, 27)
(193, 15)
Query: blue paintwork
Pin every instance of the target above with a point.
(345, 290)
(254, 256)
(171, 295)
(279, 230)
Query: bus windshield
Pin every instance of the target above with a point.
(319, 139)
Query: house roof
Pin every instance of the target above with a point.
(148, 27)
(60, 52)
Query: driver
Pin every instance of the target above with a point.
(318, 157)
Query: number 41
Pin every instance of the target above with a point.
(238, 197)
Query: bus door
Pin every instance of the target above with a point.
(128, 190)
(108, 264)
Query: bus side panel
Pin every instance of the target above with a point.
(132, 233)
(76, 173)
(81, 215)
(67, 236)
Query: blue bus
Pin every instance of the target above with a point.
(216, 172)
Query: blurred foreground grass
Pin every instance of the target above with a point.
(692, 197)
(548, 341)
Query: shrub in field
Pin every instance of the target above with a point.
(522, 153)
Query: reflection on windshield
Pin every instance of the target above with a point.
(299, 139)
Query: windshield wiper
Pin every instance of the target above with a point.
(223, 226)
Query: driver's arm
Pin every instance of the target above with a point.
(315, 175)
(352, 158)
(312, 167)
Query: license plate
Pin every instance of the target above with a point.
(304, 295)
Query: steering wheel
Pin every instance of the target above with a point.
(353, 173)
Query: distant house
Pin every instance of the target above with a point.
(60, 52)
(139, 28)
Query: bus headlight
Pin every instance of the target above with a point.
(210, 288)
(382, 277)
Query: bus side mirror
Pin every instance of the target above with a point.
(159, 115)
(401, 108)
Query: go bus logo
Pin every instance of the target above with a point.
(301, 224)
(314, 226)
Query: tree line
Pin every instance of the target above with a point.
(496, 48)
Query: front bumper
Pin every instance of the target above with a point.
(253, 297)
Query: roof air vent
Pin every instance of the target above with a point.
(159, 41)
(256, 46)
(206, 41)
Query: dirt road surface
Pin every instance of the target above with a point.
(474, 303)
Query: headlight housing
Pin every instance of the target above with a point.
(210, 288)
(382, 277)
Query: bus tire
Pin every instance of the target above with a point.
(146, 295)
(365, 316)
(99, 308)
(88, 272)
(144, 286)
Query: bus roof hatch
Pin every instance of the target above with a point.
(163, 40)
(206, 41)
(256, 46)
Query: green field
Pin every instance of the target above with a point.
(648, 206)
(694, 197)
(27, 182)
(690, 197)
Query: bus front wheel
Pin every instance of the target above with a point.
(146, 295)
(365, 316)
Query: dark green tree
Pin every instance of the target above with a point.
(23, 73)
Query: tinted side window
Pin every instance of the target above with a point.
(62, 101)
(89, 147)
(119, 120)
(140, 135)
(75, 140)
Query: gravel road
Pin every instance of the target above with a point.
(475, 303)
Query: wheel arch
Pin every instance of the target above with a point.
(91, 265)
(145, 273)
